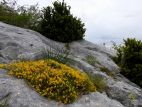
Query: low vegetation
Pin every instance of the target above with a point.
(108, 72)
(52, 79)
(4, 101)
(91, 59)
(132, 97)
(4, 104)
(59, 54)
(129, 58)
(99, 82)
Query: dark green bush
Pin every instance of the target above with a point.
(129, 58)
(59, 24)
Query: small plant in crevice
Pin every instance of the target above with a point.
(57, 53)
(67, 46)
(91, 59)
(99, 81)
(132, 97)
(108, 72)
(4, 100)
(63, 58)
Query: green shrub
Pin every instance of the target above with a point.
(59, 24)
(129, 58)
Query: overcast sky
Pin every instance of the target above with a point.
(105, 20)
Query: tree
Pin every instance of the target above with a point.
(59, 24)
(129, 58)
(11, 13)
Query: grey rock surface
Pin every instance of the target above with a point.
(23, 44)
(127, 94)
(96, 100)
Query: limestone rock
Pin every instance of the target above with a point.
(23, 44)
(96, 100)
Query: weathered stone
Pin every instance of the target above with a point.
(3, 60)
(126, 94)
(2, 45)
(23, 44)
(96, 100)
(10, 52)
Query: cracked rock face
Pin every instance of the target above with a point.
(18, 44)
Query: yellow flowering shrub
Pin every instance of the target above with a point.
(52, 79)
(1, 65)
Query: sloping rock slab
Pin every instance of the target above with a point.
(20, 44)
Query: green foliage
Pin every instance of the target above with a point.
(108, 72)
(4, 101)
(132, 97)
(58, 54)
(91, 59)
(99, 82)
(129, 58)
(67, 46)
(26, 17)
(59, 24)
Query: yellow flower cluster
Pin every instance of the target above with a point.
(1, 65)
(52, 79)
